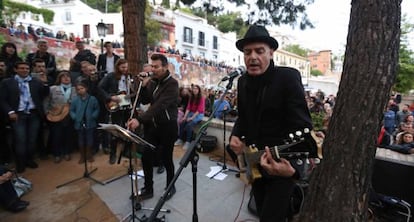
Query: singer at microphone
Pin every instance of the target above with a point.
(237, 72)
(145, 74)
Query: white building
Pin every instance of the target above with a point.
(74, 16)
(196, 38)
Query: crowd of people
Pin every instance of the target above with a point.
(397, 129)
(36, 98)
(39, 101)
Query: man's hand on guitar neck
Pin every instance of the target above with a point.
(272, 167)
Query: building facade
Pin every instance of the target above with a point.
(321, 61)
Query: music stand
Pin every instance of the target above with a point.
(128, 136)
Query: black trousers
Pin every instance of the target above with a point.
(162, 137)
(7, 193)
(272, 196)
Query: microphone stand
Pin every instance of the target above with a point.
(224, 166)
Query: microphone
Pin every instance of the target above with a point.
(237, 72)
(145, 74)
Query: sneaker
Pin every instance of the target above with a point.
(31, 164)
(67, 157)
(179, 142)
(170, 194)
(57, 159)
(186, 145)
(146, 193)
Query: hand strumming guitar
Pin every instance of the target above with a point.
(236, 145)
(272, 167)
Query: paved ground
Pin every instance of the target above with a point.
(217, 200)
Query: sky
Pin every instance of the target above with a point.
(331, 18)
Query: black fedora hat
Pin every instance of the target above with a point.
(257, 33)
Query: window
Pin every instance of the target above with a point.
(215, 42)
(202, 54)
(86, 31)
(110, 30)
(68, 16)
(188, 35)
(165, 34)
(201, 40)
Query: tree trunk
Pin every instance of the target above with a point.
(135, 37)
(339, 189)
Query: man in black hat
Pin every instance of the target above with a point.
(271, 104)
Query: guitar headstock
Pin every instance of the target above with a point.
(297, 136)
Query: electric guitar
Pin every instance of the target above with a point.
(249, 160)
(124, 103)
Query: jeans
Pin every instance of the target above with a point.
(188, 127)
(85, 137)
(26, 130)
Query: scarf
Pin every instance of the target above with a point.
(24, 91)
(67, 90)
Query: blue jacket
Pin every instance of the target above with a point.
(77, 110)
(219, 108)
(401, 148)
(390, 120)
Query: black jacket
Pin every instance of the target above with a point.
(10, 95)
(84, 55)
(101, 66)
(164, 101)
(271, 106)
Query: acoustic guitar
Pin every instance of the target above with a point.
(249, 160)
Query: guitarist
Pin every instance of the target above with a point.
(110, 87)
(271, 104)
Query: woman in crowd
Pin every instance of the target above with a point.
(404, 145)
(194, 113)
(8, 54)
(61, 125)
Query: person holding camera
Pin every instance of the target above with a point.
(8, 196)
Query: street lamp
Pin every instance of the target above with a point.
(102, 29)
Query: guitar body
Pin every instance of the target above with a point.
(249, 164)
(123, 104)
(249, 160)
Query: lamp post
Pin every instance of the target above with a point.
(102, 29)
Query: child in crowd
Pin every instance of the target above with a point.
(84, 111)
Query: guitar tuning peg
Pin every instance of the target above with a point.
(299, 162)
(307, 161)
(298, 133)
(306, 130)
(317, 160)
(291, 136)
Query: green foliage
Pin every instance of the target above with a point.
(277, 12)
(405, 73)
(230, 22)
(316, 72)
(296, 49)
(317, 120)
(13, 9)
(2, 39)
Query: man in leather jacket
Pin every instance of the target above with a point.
(160, 121)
